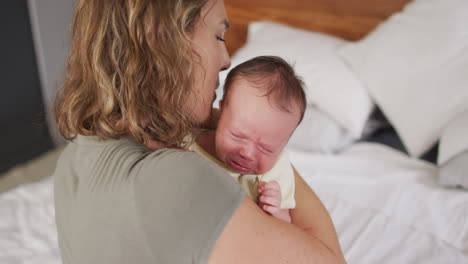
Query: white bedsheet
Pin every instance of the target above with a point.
(27, 225)
(386, 207)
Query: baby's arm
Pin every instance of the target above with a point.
(269, 199)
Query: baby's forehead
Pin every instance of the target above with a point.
(267, 118)
(243, 89)
(242, 84)
(247, 88)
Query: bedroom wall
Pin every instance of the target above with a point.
(51, 21)
(24, 132)
(31, 65)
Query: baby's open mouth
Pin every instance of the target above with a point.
(239, 168)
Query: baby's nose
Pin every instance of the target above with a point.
(247, 152)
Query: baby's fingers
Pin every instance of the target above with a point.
(272, 185)
(271, 200)
(273, 210)
(272, 193)
(260, 186)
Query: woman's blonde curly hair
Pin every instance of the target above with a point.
(130, 70)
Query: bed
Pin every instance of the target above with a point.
(368, 65)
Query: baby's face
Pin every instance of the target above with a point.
(252, 132)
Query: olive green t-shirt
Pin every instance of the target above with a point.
(116, 202)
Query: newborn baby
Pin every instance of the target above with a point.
(262, 105)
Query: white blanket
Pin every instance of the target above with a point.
(27, 225)
(386, 207)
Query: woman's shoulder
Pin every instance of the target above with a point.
(140, 167)
(183, 201)
(126, 156)
(183, 167)
(135, 158)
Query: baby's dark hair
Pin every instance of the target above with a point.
(276, 77)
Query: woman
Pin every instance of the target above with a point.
(141, 76)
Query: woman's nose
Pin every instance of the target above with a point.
(225, 60)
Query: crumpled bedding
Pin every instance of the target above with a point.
(387, 208)
(27, 225)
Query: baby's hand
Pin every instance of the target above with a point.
(269, 199)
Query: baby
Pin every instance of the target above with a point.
(262, 105)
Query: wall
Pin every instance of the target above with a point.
(51, 24)
(24, 132)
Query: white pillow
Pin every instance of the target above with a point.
(454, 139)
(330, 84)
(415, 66)
(453, 153)
(319, 133)
(454, 173)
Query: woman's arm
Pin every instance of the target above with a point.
(252, 236)
(311, 216)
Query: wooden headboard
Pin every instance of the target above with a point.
(350, 19)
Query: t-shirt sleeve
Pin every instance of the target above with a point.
(283, 173)
(182, 204)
